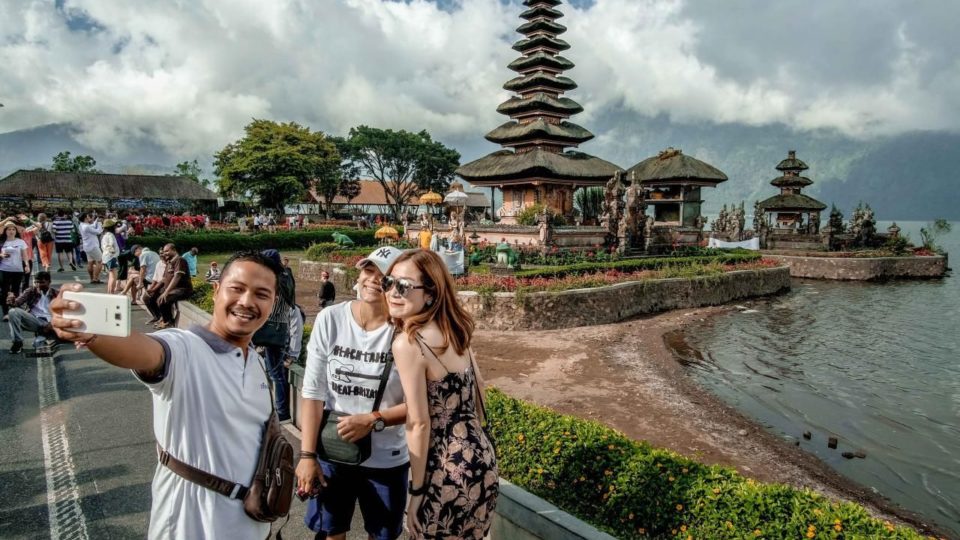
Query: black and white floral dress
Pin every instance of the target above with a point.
(461, 473)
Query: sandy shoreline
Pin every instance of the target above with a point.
(625, 375)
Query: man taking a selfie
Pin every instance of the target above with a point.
(210, 399)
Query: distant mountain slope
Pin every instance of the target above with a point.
(908, 176)
(35, 147)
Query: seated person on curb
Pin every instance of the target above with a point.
(213, 273)
(34, 316)
(174, 286)
(210, 399)
(138, 283)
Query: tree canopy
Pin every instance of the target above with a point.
(276, 162)
(191, 170)
(343, 181)
(406, 164)
(62, 162)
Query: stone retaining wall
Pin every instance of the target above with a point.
(863, 269)
(603, 305)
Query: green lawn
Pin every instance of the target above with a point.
(203, 260)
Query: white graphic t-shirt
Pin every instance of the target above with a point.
(344, 364)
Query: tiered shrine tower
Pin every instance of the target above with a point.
(536, 165)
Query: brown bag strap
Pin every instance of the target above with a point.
(212, 482)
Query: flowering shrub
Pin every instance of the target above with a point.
(632, 490)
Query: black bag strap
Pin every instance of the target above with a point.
(385, 376)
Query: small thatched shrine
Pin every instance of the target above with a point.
(672, 183)
(791, 210)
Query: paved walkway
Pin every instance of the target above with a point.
(78, 447)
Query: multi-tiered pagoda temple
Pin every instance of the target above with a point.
(786, 211)
(536, 165)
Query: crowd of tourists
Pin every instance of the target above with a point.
(104, 246)
(391, 415)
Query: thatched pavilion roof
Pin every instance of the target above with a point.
(674, 166)
(65, 185)
(793, 201)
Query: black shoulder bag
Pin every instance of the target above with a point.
(331, 447)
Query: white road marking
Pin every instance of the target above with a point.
(63, 496)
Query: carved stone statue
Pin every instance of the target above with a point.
(633, 214)
(546, 231)
(614, 206)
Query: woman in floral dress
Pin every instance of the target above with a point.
(453, 467)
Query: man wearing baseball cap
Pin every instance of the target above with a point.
(348, 355)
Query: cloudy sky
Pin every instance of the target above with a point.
(189, 74)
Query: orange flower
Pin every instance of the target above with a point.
(679, 507)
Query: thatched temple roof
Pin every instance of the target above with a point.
(569, 167)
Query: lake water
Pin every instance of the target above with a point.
(876, 365)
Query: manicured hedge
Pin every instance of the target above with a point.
(632, 490)
(632, 265)
(227, 242)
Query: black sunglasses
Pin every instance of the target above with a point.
(404, 285)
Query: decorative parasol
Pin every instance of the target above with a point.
(456, 198)
(431, 198)
(386, 232)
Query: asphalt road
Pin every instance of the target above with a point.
(77, 452)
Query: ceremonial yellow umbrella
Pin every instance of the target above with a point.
(430, 199)
(386, 232)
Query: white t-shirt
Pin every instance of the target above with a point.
(89, 233)
(14, 248)
(42, 308)
(344, 364)
(208, 411)
(148, 261)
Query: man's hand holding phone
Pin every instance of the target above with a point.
(80, 316)
(67, 329)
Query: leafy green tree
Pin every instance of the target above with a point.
(404, 163)
(62, 162)
(191, 170)
(275, 162)
(343, 181)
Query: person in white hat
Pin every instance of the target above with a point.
(348, 354)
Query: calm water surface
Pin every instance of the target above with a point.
(876, 365)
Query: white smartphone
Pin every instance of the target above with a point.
(102, 314)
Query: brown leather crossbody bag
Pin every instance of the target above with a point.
(270, 493)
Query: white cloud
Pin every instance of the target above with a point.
(189, 74)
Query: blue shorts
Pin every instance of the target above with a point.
(112, 263)
(382, 494)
